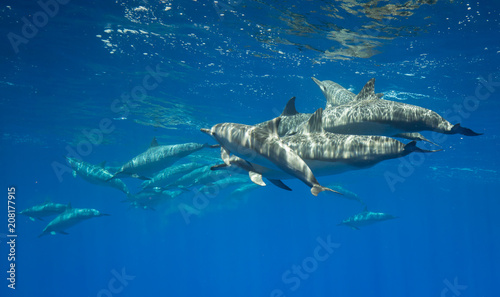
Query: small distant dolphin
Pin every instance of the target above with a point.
(169, 175)
(44, 210)
(367, 114)
(156, 158)
(365, 218)
(152, 197)
(262, 146)
(70, 217)
(96, 174)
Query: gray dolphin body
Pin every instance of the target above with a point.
(44, 210)
(151, 198)
(263, 147)
(367, 114)
(290, 119)
(69, 218)
(156, 158)
(337, 95)
(334, 93)
(329, 153)
(170, 175)
(365, 218)
(96, 174)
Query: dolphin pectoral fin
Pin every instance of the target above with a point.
(32, 219)
(316, 189)
(354, 228)
(62, 232)
(224, 155)
(256, 178)
(73, 173)
(457, 129)
(412, 147)
(279, 184)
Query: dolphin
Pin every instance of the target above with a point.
(70, 217)
(337, 95)
(334, 93)
(44, 210)
(365, 218)
(96, 174)
(292, 120)
(331, 153)
(156, 158)
(151, 197)
(202, 175)
(327, 153)
(262, 146)
(367, 114)
(169, 175)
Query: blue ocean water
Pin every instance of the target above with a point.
(98, 81)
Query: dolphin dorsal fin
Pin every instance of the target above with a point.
(367, 92)
(154, 142)
(315, 123)
(102, 164)
(365, 209)
(290, 108)
(272, 126)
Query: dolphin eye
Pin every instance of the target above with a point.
(323, 88)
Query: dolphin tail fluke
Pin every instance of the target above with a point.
(457, 129)
(316, 189)
(412, 147)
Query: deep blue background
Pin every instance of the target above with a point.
(239, 68)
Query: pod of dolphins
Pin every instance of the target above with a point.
(352, 132)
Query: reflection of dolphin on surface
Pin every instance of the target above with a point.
(70, 217)
(262, 146)
(156, 158)
(367, 114)
(365, 218)
(96, 174)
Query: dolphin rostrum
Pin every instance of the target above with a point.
(70, 217)
(365, 218)
(156, 158)
(262, 146)
(96, 174)
(367, 114)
